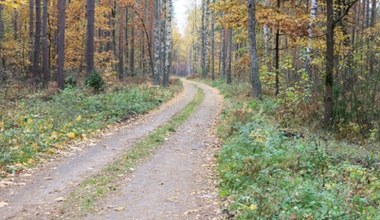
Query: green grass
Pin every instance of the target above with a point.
(83, 199)
(269, 172)
(33, 128)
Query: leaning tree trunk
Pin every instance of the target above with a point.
(156, 44)
(255, 80)
(45, 46)
(122, 30)
(37, 41)
(90, 45)
(169, 43)
(61, 43)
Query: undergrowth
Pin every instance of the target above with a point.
(271, 172)
(33, 127)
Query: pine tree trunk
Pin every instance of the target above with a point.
(255, 79)
(277, 57)
(37, 41)
(45, 46)
(15, 24)
(212, 45)
(132, 53)
(229, 67)
(224, 53)
(1, 41)
(328, 116)
(90, 44)
(61, 43)
(122, 30)
(31, 34)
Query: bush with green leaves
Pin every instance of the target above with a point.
(95, 81)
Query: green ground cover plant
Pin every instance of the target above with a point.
(33, 127)
(271, 172)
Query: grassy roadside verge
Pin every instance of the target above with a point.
(32, 129)
(268, 172)
(83, 199)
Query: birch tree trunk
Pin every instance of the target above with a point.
(163, 37)
(255, 79)
(266, 32)
(90, 45)
(156, 44)
(169, 44)
(313, 16)
(203, 39)
(61, 43)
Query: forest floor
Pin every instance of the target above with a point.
(176, 180)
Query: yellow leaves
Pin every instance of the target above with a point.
(253, 207)
(1, 126)
(79, 118)
(71, 135)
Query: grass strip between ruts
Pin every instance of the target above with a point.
(83, 199)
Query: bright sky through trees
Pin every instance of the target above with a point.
(180, 11)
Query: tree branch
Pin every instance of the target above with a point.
(345, 12)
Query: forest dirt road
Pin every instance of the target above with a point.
(175, 183)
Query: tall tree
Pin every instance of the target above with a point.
(255, 79)
(132, 54)
(229, 65)
(37, 41)
(31, 33)
(122, 31)
(45, 46)
(212, 44)
(168, 53)
(90, 45)
(1, 41)
(15, 23)
(203, 39)
(156, 44)
(313, 16)
(61, 43)
(277, 55)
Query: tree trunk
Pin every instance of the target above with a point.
(156, 44)
(122, 31)
(169, 43)
(31, 33)
(255, 79)
(45, 46)
(212, 45)
(313, 16)
(37, 41)
(203, 39)
(132, 53)
(328, 116)
(162, 37)
(1, 41)
(61, 43)
(229, 67)
(277, 56)
(90, 45)
(224, 52)
(15, 24)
